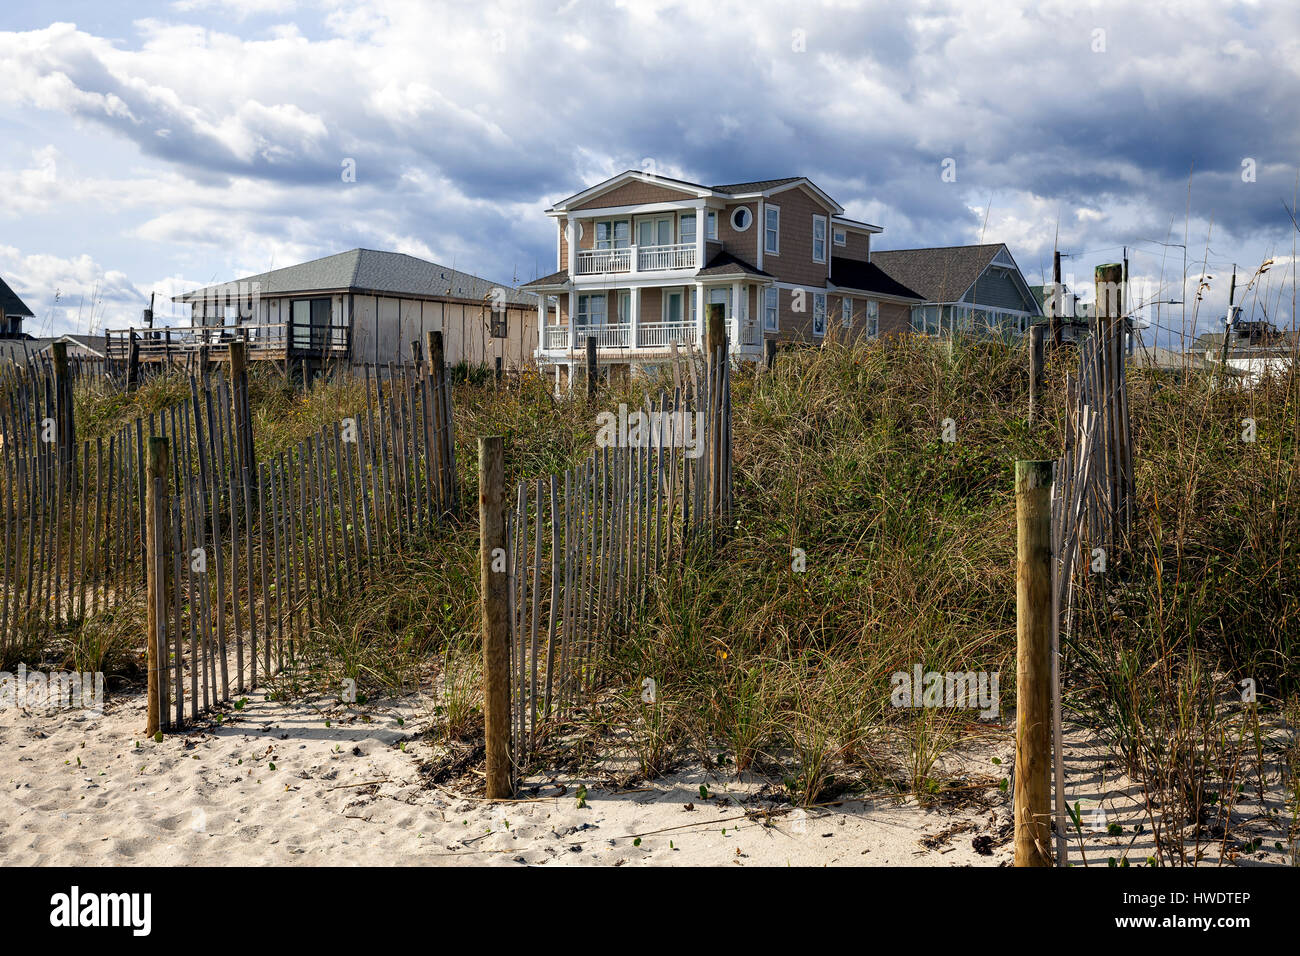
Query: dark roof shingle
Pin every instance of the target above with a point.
(555, 278)
(868, 277)
(374, 271)
(939, 274)
(726, 264)
(10, 303)
(757, 186)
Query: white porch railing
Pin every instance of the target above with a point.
(655, 258)
(600, 261)
(557, 337)
(606, 336)
(653, 335)
(635, 259)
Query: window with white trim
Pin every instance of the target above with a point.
(841, 237)
(613, 234)
(819, 313)
(819, 239)
(846, 311)
(772, 230)
(925, 320)
(741, 218)
(711, 224)
(686, 229)
(873, 318)
(771, 299)
(591, 310)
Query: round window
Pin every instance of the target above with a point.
(741, 218)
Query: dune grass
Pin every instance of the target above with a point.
(865, 544)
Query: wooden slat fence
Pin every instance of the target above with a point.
(585, 547)
(256, 550)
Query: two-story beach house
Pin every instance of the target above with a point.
(640, 257)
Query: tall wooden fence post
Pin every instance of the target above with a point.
(716, 343)
(1033, 662)
(65, 431)
(240, 410)
(446, 437)
(157, 561)
(496, 634)
(1037, 334)
(1109, 280)
(132, 361)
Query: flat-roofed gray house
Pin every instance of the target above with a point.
(975, 289)
(365, 306)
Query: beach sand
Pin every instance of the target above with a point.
(321, 783)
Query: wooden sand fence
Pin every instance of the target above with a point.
(230, 559)
(1085, 529)
(584, 549)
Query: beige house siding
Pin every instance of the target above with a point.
(794, 263)
(858, 246)
(383, 328)
(742, 244)
(635, 193)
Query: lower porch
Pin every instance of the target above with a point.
(645, 323)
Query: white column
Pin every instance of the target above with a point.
(701, 216)
(573, 319)
(634, 310)
(541, 321)
(737, 311)
(700, 317)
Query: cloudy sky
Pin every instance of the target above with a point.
(153, 146)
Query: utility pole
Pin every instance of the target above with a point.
(1057, 296)
(1227, 325)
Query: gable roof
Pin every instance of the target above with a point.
(727, 191)
(757, 186)
(938, 273)
(868, 277)
(10, 303)
(370, 271)
(91, 343)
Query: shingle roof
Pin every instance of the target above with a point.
(91, 343)
(373, 271)
(941, 273)
(726, 264)
(10, 303)
(757, 186)
(555, 278)
(869, 277)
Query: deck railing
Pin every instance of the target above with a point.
(679, 255)
(654, 335)
(607, 336)
(657, 258)
(268, 339)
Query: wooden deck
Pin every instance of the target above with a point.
(274, 342)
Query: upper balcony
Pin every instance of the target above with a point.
(632, 259)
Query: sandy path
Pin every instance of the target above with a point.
(306, 784)
(80, 788)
